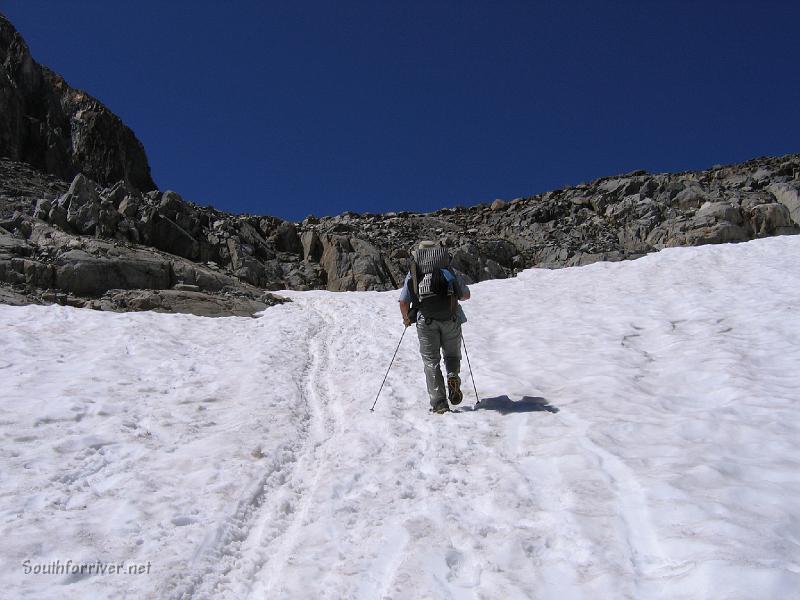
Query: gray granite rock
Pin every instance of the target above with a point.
(614, 218)
(58, 129)
(788, 194)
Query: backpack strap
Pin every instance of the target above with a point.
(454, 291)
(413, 286)
(414, 281)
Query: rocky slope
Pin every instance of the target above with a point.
(117, 248)
(63, 257)
(58, 129)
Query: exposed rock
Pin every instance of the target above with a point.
(337, 260)
(721, 211)
(770, 219)
(58, 129)
(129, 207)
(312, 246)
(718, 233)
(157, 241)
(82, 205)
(85, 274)
(693, 196)
(55, 266)
(788, 194)
(286, 238)
(12, 297)
(165, 234)
(184, 301)
(43, 207)
(21, 186)
(206, 278)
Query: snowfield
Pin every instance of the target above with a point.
(638, 437)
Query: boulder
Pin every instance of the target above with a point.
(303, 276)
(286, 238)
(312, 246)
(236, 252)
(337, 262)
(352, 264)
(127, 231)
(108, 219)
(12, 256)
(82, 205)
(167, 235)
(768, 219)
(369, 268)
(466, 259)
(692, 196)
(187, 301)
(43, 207)
(171, 205)
(719, 233)
(36, 273)
(720, 211)
(205, 278)
(788, 194)
(500, 251)
(492, 270)
(128, 207)
(115, 194)
(12, 297)
(13, 246)
(266, 274)
(251, 235)
(85, 274)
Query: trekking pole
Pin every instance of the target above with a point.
(387, 371)
(477, 398)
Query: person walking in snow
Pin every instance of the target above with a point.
(429, 298)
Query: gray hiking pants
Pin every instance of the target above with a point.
(436, 336)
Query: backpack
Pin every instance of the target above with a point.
(443, 282)
(433, 282)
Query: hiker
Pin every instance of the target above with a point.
(429, 298)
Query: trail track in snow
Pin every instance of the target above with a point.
(257, 535)
(400, 502)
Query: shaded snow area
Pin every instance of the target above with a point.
(639, 437)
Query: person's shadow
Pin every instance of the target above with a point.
(505, 405)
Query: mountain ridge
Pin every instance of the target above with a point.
(59, 129)
(89, 227)
(117, 248)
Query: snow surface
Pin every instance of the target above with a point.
(639, 437)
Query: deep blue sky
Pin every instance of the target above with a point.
(291, 108)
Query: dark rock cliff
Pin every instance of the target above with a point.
(58, 129)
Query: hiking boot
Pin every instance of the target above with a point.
(441, 407)
(454, 389)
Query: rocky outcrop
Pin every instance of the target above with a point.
(788, 195)
(53, 266)
(613, 218)
(58, 129)
(85, 241)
